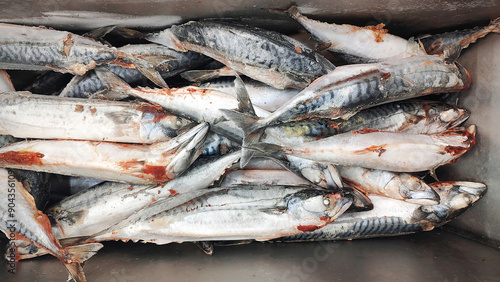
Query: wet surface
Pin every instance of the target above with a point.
(434, 256)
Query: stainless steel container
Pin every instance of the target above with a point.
(437, 255)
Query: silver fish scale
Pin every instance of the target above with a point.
(24, 54)
(256, 47)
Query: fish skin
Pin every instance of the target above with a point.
(27, 115)
(166, 61)
(5, 82)
(399, 186)
(358, 44)
(392, 218)
(236, 213)
(399, 152)
(131, 163)
(266, 56)
(101, 206)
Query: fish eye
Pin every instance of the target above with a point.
(326, 202)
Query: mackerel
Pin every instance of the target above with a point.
(263, 55)
(131, 163)
(25, 115)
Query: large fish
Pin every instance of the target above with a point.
(391, 217)
(25, 115)
(107, 204)
(21, 220)
(358, 44)
(400, 152)
(263, 55)
(131, 163)
(235, 213)
(38, 48)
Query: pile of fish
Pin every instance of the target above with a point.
(262, 138)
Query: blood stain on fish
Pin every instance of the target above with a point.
(79, 108)
(307, 228)
(20, 158)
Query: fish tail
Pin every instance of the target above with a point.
(246, 119)
(117, 88)
(495, 25)
(293, 12)
(75, 270)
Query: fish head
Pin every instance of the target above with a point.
(317, 207)
(439, 117)
(191, 147)
(456, 198)
(413, 190)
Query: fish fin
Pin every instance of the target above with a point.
(199, 75)
(495, 25)
(452, 53)
(206, 246)
(75, 271)
(244, 103)
(84, 252)
(100, 32)
(432, 172)
(293, 12)
(128, 33)
(116, 86)
(334, 176)
(153, 75)
(166, 38)
(270, 150)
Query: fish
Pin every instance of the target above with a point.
(349, 89)
(450, 44)
(101, 207)
(393, 218)
(39, 48)
(236, 213)
(392, 151)
(166, 61)
(355, 44)
(5, 82)
(37, 184)
(262, 95)
(416, 117)
(26, 115)
(21, 220)
(266, 56)
(399, 186)
(131, 163)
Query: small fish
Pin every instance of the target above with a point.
(399, 152)
(391, 217)
(25, 222)
(263, 55)
(236, 213)
(399, 186)
(25, 115)
(131, 163)
(355, 44)
(101, 207)
(450, 44)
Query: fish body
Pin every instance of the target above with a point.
(390, 217)
(25, 115)
(38, 48)
(263, 55)
(101, 207)
(132, 163)
(238, 213)
(399, 152)
(358, 44)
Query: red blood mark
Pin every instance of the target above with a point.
(20, 158)
(455, 150)
(378, 31)
(153, 200)
(298, 50)
(79, 108)
(130, 188)
(324, 218)
(159, 192)
(93, 110)
(173, 192)
(385, 76)
(158, 172)
(364, 131)
(308, 228)
(375, 148)
(157, 111)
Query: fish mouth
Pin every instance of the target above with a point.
(461, 116)
(342, 203)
